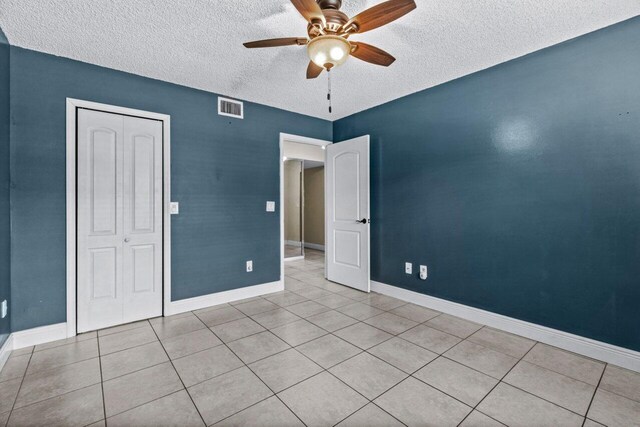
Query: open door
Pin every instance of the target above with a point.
(347, 213)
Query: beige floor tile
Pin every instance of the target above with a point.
(478, 419)
(515, 408)
(322, 400)
(286, 298)
(15, 367)
(503, 342)
(22, 351)
(127, 392)
(391, 323)
(370, 416)
(334, 301)
(621, 381)
(591, 423)
(453, 325)
(417, 404)
(275, 318)
(268, 413)
(456, 380)
(237, 329)
(311, 292)
(415, 312)
(368, 375)
(8, 393)
(256, 307)
(58, 343)
(332, 320)
(223, 396)
(217, 316)
(192, 342)
(307, 308)
(402, 354)
(563, 362)
(383, 302)
(354, 294)
(54, 382)
(298, 332)
(363, 335)
(431, 339)
(122, 328)
(328, 350)
(126, 339)
(564, 391)
(284, 369)
(131, 360)
(78, 408)
(258, 346)
(360, 311)
(614, 410)
(176, 409)
(485, 360)
(63, 355)
(206, 364)
(168, 327)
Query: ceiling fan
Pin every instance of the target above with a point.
(329, 29)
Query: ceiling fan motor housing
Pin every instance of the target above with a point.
(330, 4)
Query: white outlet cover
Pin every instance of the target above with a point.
(4, 309)
(249, 266)
(271, 206)
(174, 208)
(408, 267)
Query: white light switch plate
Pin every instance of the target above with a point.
(174, 208)
(271, 206)
(4, 309)
(408, 267)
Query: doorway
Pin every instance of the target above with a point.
(118, 238)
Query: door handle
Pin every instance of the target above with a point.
(362, 221)
(126, 240)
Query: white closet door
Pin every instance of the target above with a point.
(347, 213)
(119, 229)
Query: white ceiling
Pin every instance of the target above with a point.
(198, 43)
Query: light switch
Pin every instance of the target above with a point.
(174, 208)
(271, 206)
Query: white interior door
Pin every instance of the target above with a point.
(119, 229)
(347, 212)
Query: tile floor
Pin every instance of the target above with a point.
(317, 354)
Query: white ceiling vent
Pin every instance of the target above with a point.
(230, 107)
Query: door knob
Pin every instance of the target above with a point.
(126, 240)
(362, 221)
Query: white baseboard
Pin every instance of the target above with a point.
(40, 335)
(314, 246)
(620, 356)
(293, 258)
(296, 243)
(196, 303)
(5, 351)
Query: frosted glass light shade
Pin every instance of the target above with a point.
(328, 51)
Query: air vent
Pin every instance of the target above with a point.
(231, 108)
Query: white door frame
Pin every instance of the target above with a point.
(302, 140)
(72, 106)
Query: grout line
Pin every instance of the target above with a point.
(178, 375)
(24, 375)
(104, 403)
(594, 394)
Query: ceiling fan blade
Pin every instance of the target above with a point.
(313, 70)
(381, 14)
(371, 54)
(310, 10)
(289, 41)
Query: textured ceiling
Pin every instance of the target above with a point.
(198, 43)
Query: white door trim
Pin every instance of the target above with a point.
(302, 140)
(72, 106)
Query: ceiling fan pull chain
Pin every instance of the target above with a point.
(329, 91)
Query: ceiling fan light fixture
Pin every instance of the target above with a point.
(328, 51)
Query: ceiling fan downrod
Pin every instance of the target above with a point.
(329, 90)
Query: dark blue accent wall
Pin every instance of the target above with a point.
(5, 230)
(519, 187)
(223, 170)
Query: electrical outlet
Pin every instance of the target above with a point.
(271, 206)
(4, 309)
(249, 266)
(174, 208)
(408, 268)
(423, 272)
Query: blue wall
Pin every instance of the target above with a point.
(223, 171)
(5, 260)
(519, 187)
